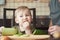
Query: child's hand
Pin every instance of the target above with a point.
(54, 29)
(26, 25)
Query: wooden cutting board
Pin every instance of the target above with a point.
(30, 37)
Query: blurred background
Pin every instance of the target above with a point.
(39, 8)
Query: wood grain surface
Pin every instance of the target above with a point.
(30, 37)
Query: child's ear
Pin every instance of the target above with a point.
(16, 20)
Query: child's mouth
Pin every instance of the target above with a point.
(25, 21)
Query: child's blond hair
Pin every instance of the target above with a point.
(22, 8)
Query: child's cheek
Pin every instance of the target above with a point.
(30, 20)
(20, 20)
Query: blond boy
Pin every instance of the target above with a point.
(23, 18)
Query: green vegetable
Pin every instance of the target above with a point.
(39, 32)
(25, 35)
(9, 31)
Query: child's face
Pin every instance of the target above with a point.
(24, 16)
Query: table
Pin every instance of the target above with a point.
(30, 37)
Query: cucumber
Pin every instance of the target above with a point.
(9, 31)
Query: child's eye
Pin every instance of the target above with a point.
(21, 16)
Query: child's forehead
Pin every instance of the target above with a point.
(23, 12)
